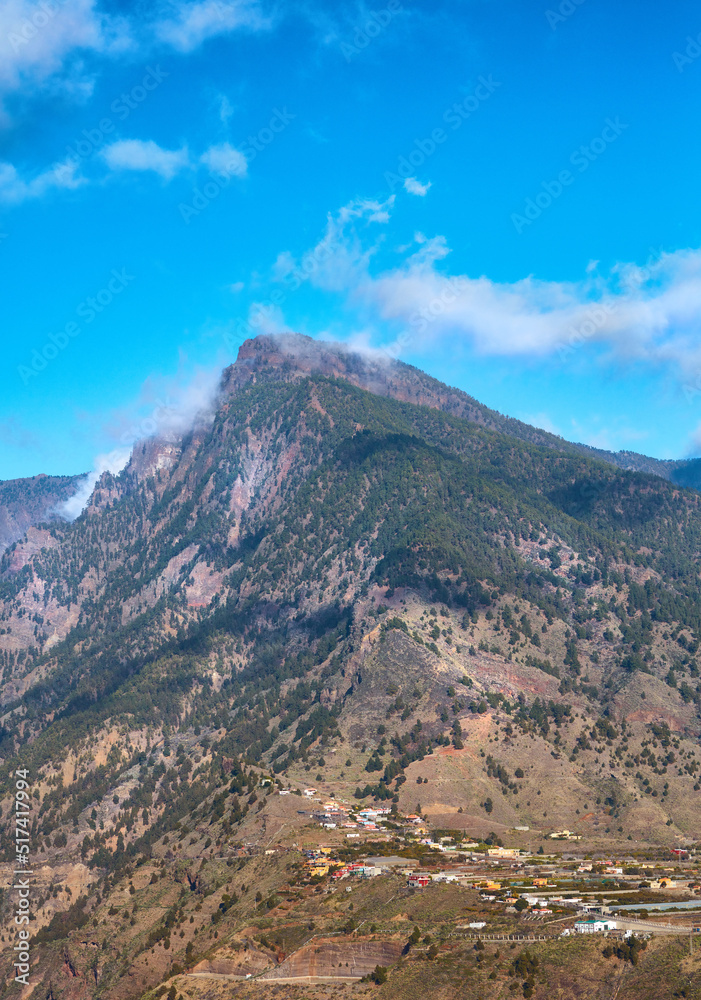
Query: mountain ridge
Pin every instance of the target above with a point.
(342, 587)
(286, 354)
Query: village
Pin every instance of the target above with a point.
(569, 893)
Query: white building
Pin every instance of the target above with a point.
(593, 926)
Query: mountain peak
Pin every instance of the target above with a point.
(290, 356)
(294, 355)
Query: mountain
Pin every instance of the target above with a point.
(385, 376)
(353, 576)
(26, 502)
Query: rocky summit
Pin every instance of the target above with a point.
(335, 684)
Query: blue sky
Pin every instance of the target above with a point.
(503, 194)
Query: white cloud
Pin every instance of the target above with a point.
(225, 159)
(137, 154)
(165, 408)
(14, 189)
(226, 109)
(190, 24)
(338, 262)
(416, 187)
(113, 461)
(125, 154)
(541, 420)
(649, 313)
(57, 45)
(45, 43)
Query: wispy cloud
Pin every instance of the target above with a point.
(113, 462)
(15, 435)
(541, 420)
(139, 154)
(166, 408)
(340, 261)
(58, 45)
(42, 43)
(188, 25)
(225, 159)
(15, 189)
(416, 187)
(133, 155)
(647, 313)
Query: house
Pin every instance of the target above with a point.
(663, 883)
(418, 881)
(503, 852)
(593, 926)
(369, 871)
(309, 793)
(319, 871)
(540, 882)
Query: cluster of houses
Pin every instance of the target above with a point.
(360, 869)
(332, 815)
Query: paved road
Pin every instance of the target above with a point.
(650, 926)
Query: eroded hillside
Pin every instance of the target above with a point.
(338, 582)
